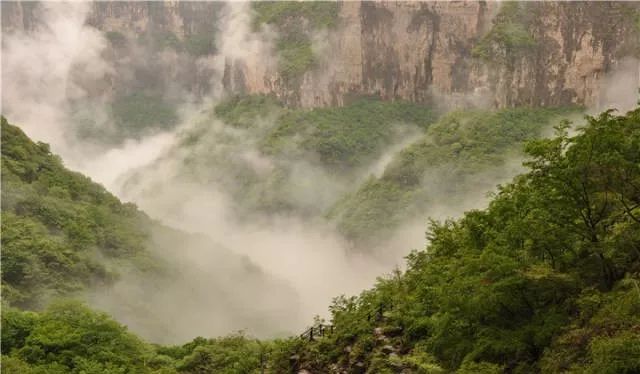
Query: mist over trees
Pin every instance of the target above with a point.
(320, 187)
(544, 279)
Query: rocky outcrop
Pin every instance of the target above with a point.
(150, 47)
(181, 18)
(424, 51)
(406, 50)
(416, 51)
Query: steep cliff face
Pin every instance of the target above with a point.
(546, 53)
(182, 18)
(574, 46)
(403, 50)
(152, 46)
(419, 51)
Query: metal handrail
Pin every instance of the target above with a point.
(320, 330)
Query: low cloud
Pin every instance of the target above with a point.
(620, 88)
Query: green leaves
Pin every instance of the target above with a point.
(319, 14)
(544, 280)
(460, 154)
(285, 152)
(56, 223)
(71, 338)
(511, 34)
(346, 137)
(232, 354)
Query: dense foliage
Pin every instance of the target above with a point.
(374, 179)
(68, 337)
(544, 280)
(66, 236)
(59, 229)
(463, 153)
(245, 111)
(260, 151)
(510, 35)
(348, 136)
(318, 13)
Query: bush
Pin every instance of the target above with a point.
(510, 35)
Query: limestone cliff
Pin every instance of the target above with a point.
(419, 51)
(180, 17)
(550, 53)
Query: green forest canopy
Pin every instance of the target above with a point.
(60, 230)
(543, 280)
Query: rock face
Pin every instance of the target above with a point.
(182, 18)
(417, 51)
(406, 50)
(151, 47)
(422, 51)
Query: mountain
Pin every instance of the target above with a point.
(66, 236)
(543, 280)
(502, 54)
(282, 157)
(57, 224)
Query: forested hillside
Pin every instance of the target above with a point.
(368, 168)
(61, 233)
(320, 187)
(64, 236)
(272, 159)
(459, 158)
(543, 280)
